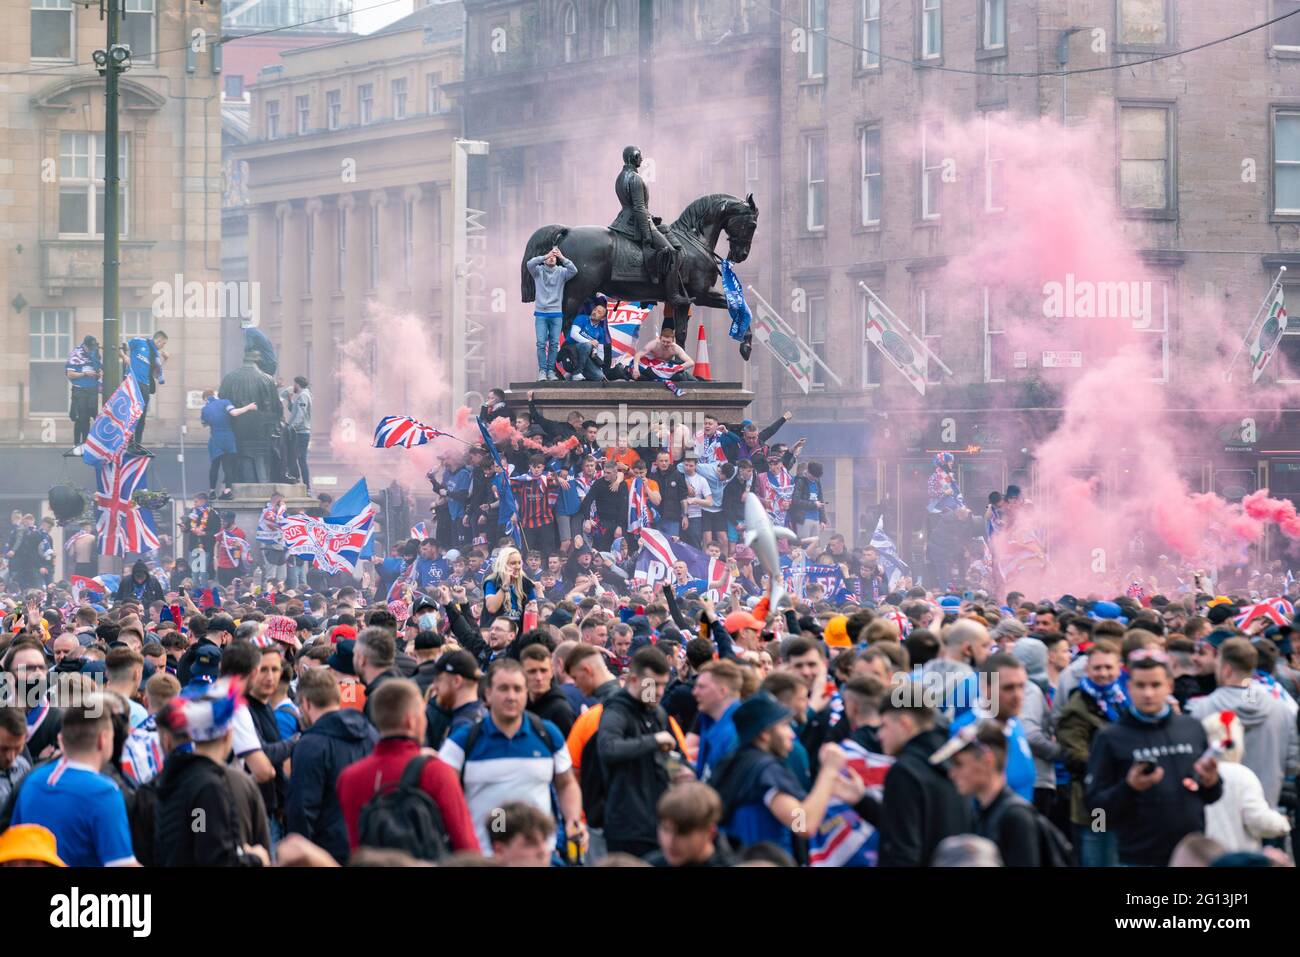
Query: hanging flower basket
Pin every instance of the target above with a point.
(153, 500)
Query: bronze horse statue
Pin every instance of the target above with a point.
(696, 232)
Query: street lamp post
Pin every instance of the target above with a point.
(112, 61)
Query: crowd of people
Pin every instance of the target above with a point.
(526, 694)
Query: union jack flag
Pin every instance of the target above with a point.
(639, 512)
(844, 838)
(420, 531)
(394, 430)
(332, 548)
(123, 527)
(1277, 610)
(112, 428)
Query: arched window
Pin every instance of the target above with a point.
(610, 23)
(569, 18)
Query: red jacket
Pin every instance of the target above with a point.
(359, 782)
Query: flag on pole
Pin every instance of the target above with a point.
(784, 343)
(1269, 335)
(123, 526)
(113, 427)
(887, 551)
(897, 343)
(508, 509)
(395, 430)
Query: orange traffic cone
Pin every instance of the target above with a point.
(701, 370)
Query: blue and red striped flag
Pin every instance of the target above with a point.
(112, 428)
(420, 531)
(395, 430)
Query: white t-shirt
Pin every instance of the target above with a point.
(245, 740)
(697, 486)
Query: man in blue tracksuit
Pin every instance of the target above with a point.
(550, 272)
(589, 339)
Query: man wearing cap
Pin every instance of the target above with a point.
(761, 799)
(193, 785)
(454, 702)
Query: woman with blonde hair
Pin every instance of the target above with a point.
(507, 591)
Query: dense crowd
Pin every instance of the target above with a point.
(553, 687)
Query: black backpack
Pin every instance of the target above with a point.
(405, 817)
(591, 779)
(1054, 850)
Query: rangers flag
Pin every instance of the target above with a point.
(123, 526)
(624, 320)
(331, 548)
(394, 430)
(1270, 333)
(112, 428)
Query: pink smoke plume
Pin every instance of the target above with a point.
(1110, 468)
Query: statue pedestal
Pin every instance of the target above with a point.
(618, 401)
(251, 497)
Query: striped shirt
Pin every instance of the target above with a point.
(503, 769)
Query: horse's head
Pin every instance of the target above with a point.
(739, 221)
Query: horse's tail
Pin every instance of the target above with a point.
(539, 244)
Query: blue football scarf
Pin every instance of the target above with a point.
(1110, 698)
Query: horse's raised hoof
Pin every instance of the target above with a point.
(746, 346)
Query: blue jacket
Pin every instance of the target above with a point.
(1021, 773)
(717, 740)
(326, 748)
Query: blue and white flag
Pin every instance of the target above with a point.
(889, 561)
(507, 508)
(737, 308)
(114, 425)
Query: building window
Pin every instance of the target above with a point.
(341, 264)
(408, 240)
(931, 29)
(873, 196)
(997, 355)
(333, 109)
(570, 21)
(1144, 151)
(994, 194)
(1288, 369)
(279, 254)
(309, 257)
(399, 98)
(815, 178)
(365, 103)
(1286, 163)
(81, 185)
(931, 169)
(1153, 332)
(49, 342)
(751, 166)
(994, 13)
(53, 29)
(609, 32)
(234, 86)
(302, 108)
(434, 92)
(1143, 22)
(930, 310)
(137, 324)
(817, 338)
(869, 55)
(1286, 34)
(816, 39)
(374, 246)
(272, 119)
(138, 30)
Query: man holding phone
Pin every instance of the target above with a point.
(1150, 774)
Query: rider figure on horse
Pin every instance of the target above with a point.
(634, 222)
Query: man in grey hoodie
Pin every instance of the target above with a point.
(1271, 743)
(550, 272)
